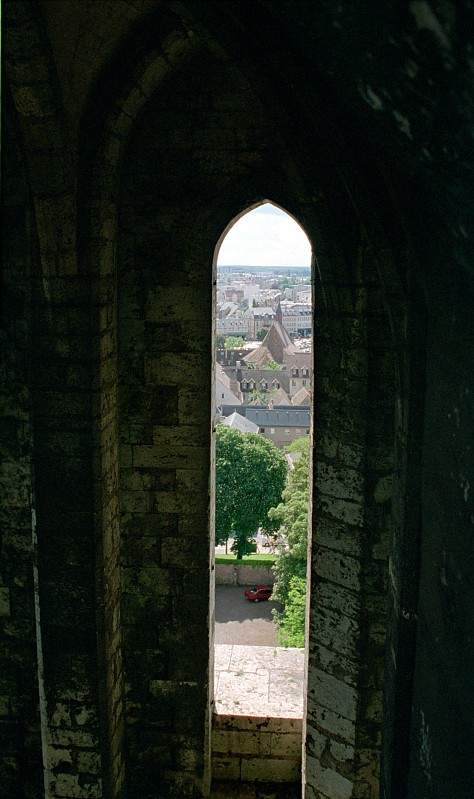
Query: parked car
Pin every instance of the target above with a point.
(258, 593)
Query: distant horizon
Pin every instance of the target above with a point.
(249, 267)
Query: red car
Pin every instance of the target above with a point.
(258, 593)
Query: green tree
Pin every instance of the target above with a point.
(261, 334)
(234, 342)
(292, 517)
(258, 396)
(299, 445)
(250, 477)
(272, 365)
(291, 626)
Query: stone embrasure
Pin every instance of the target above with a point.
(258, 681)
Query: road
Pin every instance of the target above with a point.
(239, 621)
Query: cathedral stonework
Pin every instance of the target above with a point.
(133, 132)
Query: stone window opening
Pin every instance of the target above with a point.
(249, 704)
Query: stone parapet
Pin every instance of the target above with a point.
(256, 749)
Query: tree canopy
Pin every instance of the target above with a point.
(291, 515)
(250, 477)
(234, 343)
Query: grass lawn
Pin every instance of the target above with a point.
(262, 559)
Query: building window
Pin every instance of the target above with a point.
(262, 429)
(293, 382)
(304, 382)
(272, 431)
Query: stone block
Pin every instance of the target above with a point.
(179, 369)
(336, 632)
(180, 436)
(193, 406)
(334, 694)
(70, 786)
(337, 598)
(236, 742)
(343, 510)
(88, 762)
(4, 601)
(337, 567)
(286, 745)
(225, 768)
(331, 722)
(270, 770)
(184, 553)
(177, 458)
(336, 481)
(332, 784)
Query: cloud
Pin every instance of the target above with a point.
(265, 236)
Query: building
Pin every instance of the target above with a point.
(280, 425)
(274, 348)
(240, 423)
(297, 318)
(226, 390)
(133, 134)
(234, 324)
(260, 318)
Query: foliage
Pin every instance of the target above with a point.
(291, 624)
(220, 342)
(260, 559)
(272, 365)
(250, 477)
(292, 516)
(258, 396)
(261, 334)
(299, 445)
(286, 283)
(234, 343)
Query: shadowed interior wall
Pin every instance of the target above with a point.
(20, 765)
(186, 154)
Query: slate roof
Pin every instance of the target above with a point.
(280, 397)
(241, 423)
(277, 417)
(302, 397)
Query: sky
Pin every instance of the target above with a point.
(266, 236)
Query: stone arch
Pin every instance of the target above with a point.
(351, 301)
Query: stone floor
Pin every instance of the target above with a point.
(258, 681)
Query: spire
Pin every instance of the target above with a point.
(279, 313)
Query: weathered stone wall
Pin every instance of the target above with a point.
(165, 319)
(20, 758)
(351, 515)
(243, 575)
(252, 749)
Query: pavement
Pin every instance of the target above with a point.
(258, 681)
(239, 621)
